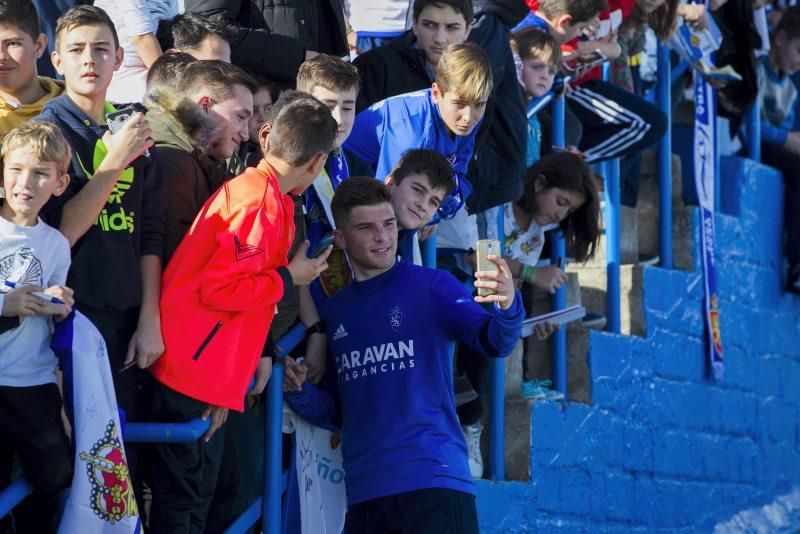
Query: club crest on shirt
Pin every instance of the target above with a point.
(395, 316)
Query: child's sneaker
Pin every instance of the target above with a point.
(531, 389)
(472, 435)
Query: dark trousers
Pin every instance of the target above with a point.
(31, 427)
(615, 122)
(789, 164)
(428, 511)
(183, 475)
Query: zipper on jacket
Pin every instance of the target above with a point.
(207, 340)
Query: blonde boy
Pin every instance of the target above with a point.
(443, 118)
(35, 256)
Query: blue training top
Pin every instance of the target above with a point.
(390, 378)
(384, 131)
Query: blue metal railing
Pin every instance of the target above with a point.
(611, 172)
(557, 254)
(753, 128)
(266, 507)
(664, 155)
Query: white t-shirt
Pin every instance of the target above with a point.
(132, 18)
(522, 246)
(377, 18)
(37, 255)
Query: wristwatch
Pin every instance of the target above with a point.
(316, 328)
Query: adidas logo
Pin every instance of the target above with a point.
(340, 332)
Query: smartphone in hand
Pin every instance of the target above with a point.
(484, 248)
(322, 246)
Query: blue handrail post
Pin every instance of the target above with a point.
(427, 250)
(497, 438)
(558, 251)
(612, 226)
(664, 154)
(753, 124)
(271, 503)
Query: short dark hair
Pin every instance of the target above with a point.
(579, 10)
(428, 162)
(83, 15)
(301, 128)
(568, 172)
(168, 68)
(330, 72)
(789, 23)
(21, 14)
(217, 77)
(459, 6)
(188, 30)
(355, 192)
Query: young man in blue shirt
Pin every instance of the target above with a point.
(389, 381)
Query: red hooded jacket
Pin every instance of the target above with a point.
(221, 286)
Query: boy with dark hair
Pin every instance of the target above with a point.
(112, 212)
(196, 129)
(408, 63)
(419, 183)
(396, 408)
(780, 142)
(35, 162)
(202, 37)
(219, 297)
(23, 94)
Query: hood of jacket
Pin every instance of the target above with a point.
(177, 120)
(511, 12)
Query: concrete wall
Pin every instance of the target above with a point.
(663, 446)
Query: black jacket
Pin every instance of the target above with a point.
(390, 70)
(274, 34)
(496, 173)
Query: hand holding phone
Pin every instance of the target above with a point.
(322, 246)
(130, 133)
(483, 249)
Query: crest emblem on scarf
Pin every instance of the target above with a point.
(112, 493)
(395, 316)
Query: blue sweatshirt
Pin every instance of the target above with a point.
(390, 379)
(384, 131)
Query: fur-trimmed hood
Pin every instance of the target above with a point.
(177, 120)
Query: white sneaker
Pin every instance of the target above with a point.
(472, 435)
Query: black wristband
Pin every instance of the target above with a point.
(316, 328)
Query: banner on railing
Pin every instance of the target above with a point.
(704, 172)
(101, 498)
(320, 476)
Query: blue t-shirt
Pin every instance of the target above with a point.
(390, 378)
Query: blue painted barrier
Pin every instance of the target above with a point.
(664, 155)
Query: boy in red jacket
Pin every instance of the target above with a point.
(218, 300)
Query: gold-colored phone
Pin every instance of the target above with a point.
(484, 248)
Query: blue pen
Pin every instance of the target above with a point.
(39, 294)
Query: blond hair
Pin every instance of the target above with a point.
(44, 139)
(465, 69)
(533, 43)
